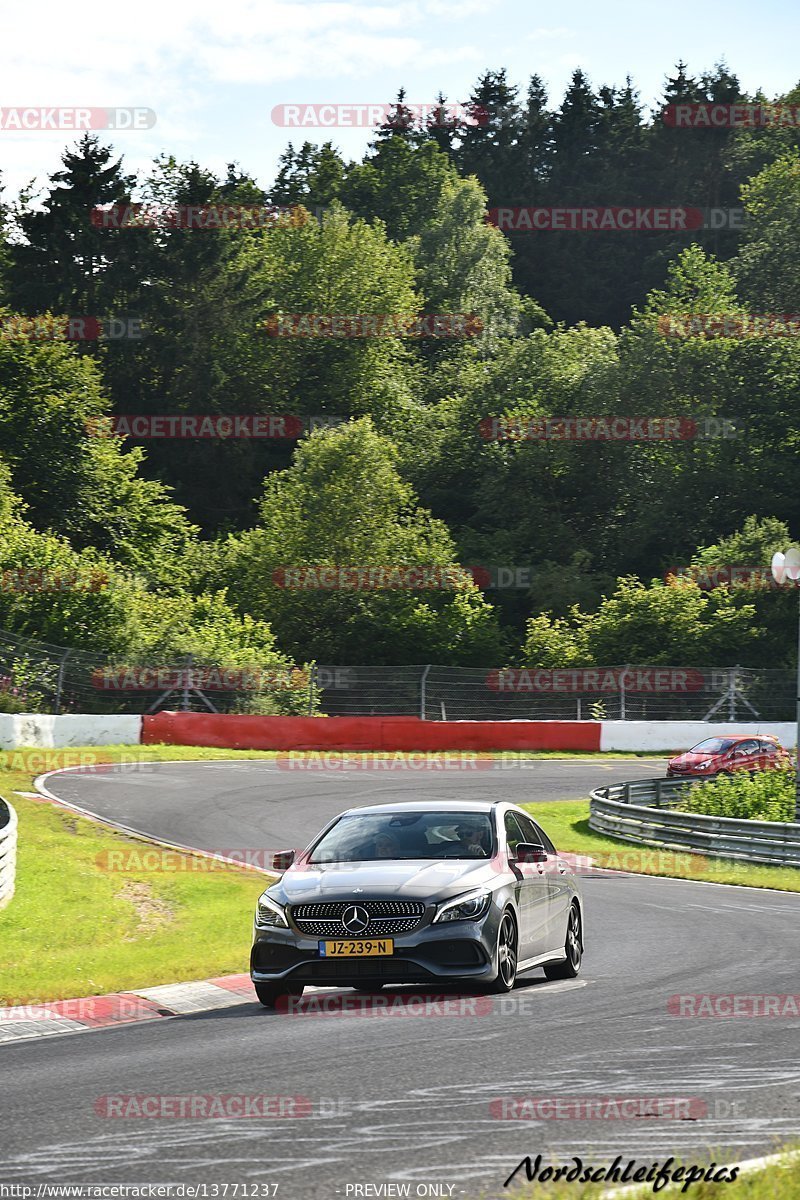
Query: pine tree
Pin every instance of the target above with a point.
(401, 122)
(537, 140)
(493, 137)
(67, 264)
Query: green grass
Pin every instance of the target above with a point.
(767, 796)
(567, 824)
(76, 929)
(164, 753)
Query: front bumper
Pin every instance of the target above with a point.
(432, 953)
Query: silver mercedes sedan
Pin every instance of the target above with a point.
(428, 892)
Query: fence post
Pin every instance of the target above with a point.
(732, 694)
(623, 672)
(422, 696)
(312, 684)
(186, 680)
(60, 681)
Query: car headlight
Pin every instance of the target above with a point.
(468, 907)
(702, 766)
(270, 913)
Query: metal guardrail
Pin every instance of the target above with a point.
(8, 851)
(640, 811)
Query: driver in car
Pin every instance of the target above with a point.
(470, 841)
(386, 846)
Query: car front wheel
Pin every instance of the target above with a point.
(270, 993)
(507, 956)
(573, 947)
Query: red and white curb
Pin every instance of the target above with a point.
(21, 1021)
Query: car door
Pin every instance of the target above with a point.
(745, 756)
(532, 889)
(559, 889)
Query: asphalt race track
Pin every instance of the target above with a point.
(405, 1098)
(252, 803)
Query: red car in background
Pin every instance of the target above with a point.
(724, 755)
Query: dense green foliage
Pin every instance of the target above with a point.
(768, 796)
(189, 533)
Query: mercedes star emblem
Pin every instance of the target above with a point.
(355, 919)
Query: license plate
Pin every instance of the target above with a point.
(363, 948)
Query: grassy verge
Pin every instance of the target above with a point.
(75, 928)
(50, 760)
(567, 823)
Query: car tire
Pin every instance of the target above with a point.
(507, 955)
(573, 947)
(270, 993)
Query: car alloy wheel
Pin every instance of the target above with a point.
(507, 955)
(573, 948)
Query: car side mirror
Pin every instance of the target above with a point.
(282, 860)
(529, 852)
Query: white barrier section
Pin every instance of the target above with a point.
(682, 735)
(8, 852)
(71, 729)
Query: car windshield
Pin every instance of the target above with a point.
(716, 745)
(367, 837)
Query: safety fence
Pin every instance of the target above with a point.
(43, 678)
(8, 852)
(642, 810)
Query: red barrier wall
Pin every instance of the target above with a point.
(365, 733)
